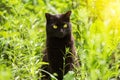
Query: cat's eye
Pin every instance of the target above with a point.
(65, 26)
(55, 27)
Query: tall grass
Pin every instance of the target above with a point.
(95, 28)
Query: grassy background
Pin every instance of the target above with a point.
(96, 29)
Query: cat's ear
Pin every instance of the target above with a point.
(48, 15)
(67, 15)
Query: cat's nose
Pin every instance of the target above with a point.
(61, 30)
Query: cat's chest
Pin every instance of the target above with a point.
(57, 43)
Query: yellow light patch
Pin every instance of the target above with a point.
(55, 27)
(65, 26)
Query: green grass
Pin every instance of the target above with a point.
(95, 28)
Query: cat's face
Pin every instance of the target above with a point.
(58, 25)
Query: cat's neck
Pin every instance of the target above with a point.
(67, 37)
(58, 42)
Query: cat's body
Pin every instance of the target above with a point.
(59, 38)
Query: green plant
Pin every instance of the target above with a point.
(95, 28)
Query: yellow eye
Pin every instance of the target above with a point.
(55, 27)
(65, 26)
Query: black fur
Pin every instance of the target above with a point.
(58, 40)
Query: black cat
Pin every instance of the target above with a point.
(60, 52)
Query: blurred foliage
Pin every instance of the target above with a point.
(96, 30)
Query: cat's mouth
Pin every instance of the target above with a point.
(60, 35)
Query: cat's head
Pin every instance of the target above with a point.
(58, 25)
